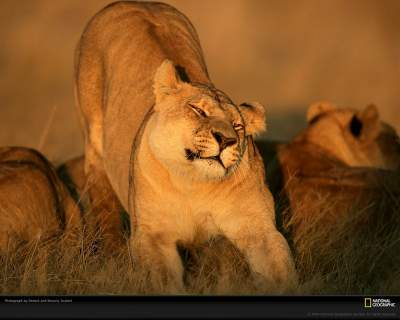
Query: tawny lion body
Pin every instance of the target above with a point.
(175, 150)
(34, 205)
(343, 168)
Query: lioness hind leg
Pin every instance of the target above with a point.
(104, 216)
(89, 88)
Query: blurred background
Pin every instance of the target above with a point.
(282, 53)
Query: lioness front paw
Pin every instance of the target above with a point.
(273, 285)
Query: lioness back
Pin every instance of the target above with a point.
(116, 60)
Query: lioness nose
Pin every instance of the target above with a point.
(223, 141)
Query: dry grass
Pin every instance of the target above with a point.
(347, 258)
(57, 267)
(356, 254)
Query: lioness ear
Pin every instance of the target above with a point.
(368, 123)
(166, 80)
(254, 117)
(318, 108)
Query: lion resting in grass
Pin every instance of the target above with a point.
(177, 152)
(340, 176)
(34, 204)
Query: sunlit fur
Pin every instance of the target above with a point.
(180, 132)
(342, 168)
(329, 159)
(34, 204)
(148, 109)
(377, 144)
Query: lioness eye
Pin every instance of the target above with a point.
(198, 110)
(238, 126)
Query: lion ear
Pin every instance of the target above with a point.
(254, 117)
(318, 108)
(166, 80)
(369, 123)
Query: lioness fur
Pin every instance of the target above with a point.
(177, 152)
(215, 266)
(337, 173)
(34, 204)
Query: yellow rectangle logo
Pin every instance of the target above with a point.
(367, 303)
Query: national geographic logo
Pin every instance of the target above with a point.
(378, 303)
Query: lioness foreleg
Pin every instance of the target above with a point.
(159, 257)
(267, 252)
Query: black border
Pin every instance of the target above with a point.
(195, 307)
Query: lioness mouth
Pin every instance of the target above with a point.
(191, 155)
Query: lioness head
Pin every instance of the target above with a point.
(358, 138)
(198, 130)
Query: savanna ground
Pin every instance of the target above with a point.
(348, 257)
(285, 54)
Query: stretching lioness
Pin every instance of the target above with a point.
(34, 204)
(340, 175)
(177, 152)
